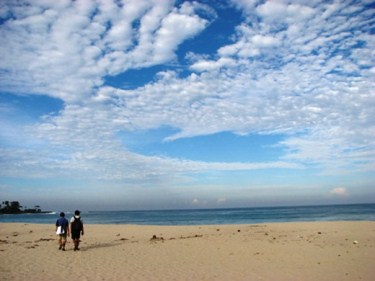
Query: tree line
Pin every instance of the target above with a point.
(14, 207)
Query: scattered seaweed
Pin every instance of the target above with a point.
(45, 240)
(155, 238)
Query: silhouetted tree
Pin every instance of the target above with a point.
(13, 207)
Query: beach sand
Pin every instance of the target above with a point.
(283, 251)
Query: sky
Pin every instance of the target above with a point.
(157, 104)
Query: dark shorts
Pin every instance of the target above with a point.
(76, 235)
(63, 236)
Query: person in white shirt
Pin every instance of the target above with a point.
(76, 229)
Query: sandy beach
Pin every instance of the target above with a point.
(284, 251)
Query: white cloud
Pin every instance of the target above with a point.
(272, 9)
(277, 11)
(246, 5)
(175, 28)
(84, 41)
(339, 191)
(205, 65)
(264, 41)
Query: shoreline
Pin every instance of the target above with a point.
(339, 250)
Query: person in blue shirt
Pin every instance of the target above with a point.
(62, 229)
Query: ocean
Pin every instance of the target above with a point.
(357, 212)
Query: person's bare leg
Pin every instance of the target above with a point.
(63, 243)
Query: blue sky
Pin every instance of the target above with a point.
(186, 104)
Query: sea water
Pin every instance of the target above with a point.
(357, 212)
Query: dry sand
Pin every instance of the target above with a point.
(286, 251)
